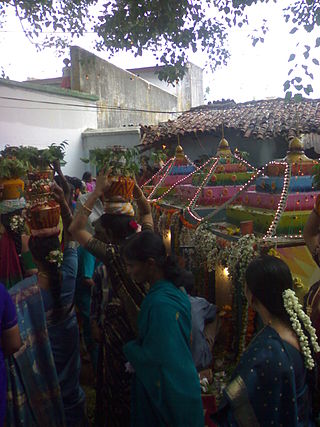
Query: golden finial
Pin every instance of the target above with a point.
(296, 152)
(224, 148)
(179, 155)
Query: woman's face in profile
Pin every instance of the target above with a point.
(137, 270)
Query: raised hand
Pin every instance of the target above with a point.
(103, 181)
(57, 193)
(55, 165)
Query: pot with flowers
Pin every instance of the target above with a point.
(40, 161)
(43, 213)
(11, 172)
(43, 217)
(124, 164)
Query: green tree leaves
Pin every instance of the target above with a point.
(167, 28)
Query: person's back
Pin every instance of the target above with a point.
(64, 338)
(204, 324)
(202, 312)
(273, 381)
(31, 371)
(166, 386)
(86, 268)
(272, 375)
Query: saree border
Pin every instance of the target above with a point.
(239, 400)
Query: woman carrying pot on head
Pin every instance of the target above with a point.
(166, 388)
(56, 280)
(274, 380)
(116, 303)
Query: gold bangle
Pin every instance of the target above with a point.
(86, 211)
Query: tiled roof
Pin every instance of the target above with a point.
(264, 119)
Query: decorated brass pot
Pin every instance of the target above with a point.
(11, 188)
(44, 215)
(121, 187)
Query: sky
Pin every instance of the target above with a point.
(252, 72)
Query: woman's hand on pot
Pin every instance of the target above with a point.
(103, 182)
(55, 166)
(137, 192)
(57, 193)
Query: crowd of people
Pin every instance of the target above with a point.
(148, 336)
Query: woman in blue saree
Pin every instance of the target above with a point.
(56, 280)
(33, 391)
(273, 382)
(166, 389)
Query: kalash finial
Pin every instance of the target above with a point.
(224, 148)
(296, 152)
(179, 151)
(179, 155)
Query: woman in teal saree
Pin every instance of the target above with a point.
(166, 389)
(272, 384)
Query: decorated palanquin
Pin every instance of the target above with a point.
(264, 211)
(183, 185)
(178, 169)
(283, 198)
(219, 179)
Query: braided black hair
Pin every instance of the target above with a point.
(40, 247)
(119, 225)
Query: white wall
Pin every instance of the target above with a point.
(124, 98)
(189, 90)
(101, 138)
(39, 124)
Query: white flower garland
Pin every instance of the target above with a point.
(241, 254)
(17, 224)
(295, 312)
(38, 184)
(55, 257)
(204, 243)
(212, 259)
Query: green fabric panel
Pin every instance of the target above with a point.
(163, 363)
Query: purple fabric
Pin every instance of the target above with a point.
(8, 319)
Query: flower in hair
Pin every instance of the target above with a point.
(17, 224)
(133, 225)
(55, 257)
(298, 316)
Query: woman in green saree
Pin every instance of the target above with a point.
(166, 389)
(116, 300)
